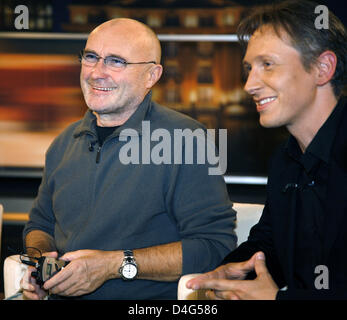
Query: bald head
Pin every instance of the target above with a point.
(138, 36)
(114, 92)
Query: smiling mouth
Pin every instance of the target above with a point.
(105, 89)
(262, 103)
(265, 100)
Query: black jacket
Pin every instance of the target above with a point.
(274, 234)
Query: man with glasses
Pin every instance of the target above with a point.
(128, 231)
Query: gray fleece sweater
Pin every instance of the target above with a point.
(89, 199)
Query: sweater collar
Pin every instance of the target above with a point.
(88, 123)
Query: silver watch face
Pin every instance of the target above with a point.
(129, 271)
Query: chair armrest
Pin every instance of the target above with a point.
(247, 216)
(183, 293)
(13, 273)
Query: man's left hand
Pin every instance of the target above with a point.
(262, 287)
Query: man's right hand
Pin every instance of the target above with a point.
(230, 271)
(31, 290)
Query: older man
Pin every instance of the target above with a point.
(116, 222)
(296, 74)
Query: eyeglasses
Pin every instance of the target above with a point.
(90, 59)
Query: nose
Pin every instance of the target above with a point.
(253, 83)
(99, 70)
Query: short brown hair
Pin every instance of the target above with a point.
(297, 19)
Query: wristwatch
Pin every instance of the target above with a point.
(128, 269)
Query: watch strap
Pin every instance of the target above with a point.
(128, 253)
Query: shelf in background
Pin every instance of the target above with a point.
(16, 217)
(21, 172)
(84, 36)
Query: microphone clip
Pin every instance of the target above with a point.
(288, 186)
(91, 145)
(293, 185)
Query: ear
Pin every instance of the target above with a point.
(154, 75)
(326, 65)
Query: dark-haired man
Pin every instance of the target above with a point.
(296, 74)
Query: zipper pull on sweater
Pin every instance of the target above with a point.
(98, 150)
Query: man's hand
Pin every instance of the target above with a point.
(87, 271)
(230, 271)
(223, 286)
(31, 290)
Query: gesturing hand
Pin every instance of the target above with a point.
(233, 270)
(222, 285)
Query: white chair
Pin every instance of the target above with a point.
(13, 272)
(1, 213)
(247, 216)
